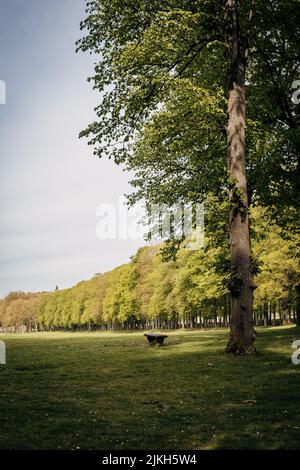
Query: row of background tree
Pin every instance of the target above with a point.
(189, 291)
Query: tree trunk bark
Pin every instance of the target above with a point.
(241, 280)
(298, 305)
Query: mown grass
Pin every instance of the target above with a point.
(112, 391)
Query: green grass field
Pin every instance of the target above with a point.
(112, 391)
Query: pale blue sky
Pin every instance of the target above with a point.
(50, 183)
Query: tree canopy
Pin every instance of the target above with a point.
(163, 78)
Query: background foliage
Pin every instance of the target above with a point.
(149, 292)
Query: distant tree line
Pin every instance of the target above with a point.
(149, 293)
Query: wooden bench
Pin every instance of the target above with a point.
(155, 338)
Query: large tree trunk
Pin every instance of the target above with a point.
(241, 280)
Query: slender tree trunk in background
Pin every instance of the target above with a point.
(274, 314)
(265, 314)
(280, 315)
(241, 281)
(285, 313)
(289, 314)
(298, 305)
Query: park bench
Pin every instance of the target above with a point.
(155, 338)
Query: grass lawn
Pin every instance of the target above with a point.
(112, 391)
